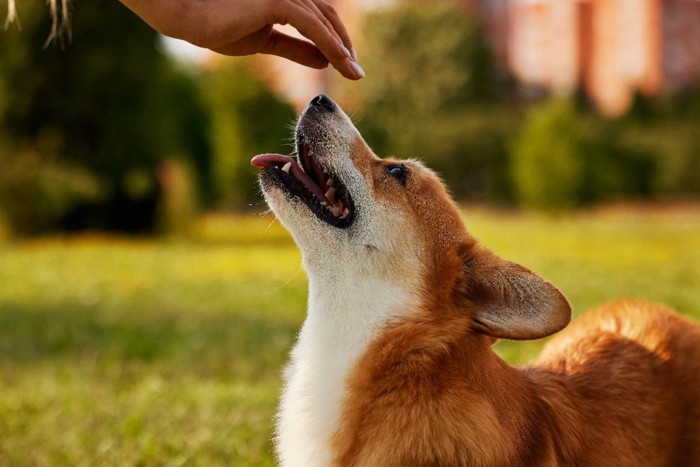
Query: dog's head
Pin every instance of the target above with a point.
(359, 218)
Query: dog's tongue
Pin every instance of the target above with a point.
(269, 160)
(290, 166)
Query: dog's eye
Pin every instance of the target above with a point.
(398, 171)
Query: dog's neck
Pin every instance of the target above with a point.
(346, 312)
(351, 315)
(347, 308)
(507, 421)
(354, 290)
(355, 307)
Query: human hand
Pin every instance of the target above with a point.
(245, 27)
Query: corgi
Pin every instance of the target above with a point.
(394, 363)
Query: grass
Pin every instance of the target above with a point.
(120, 351)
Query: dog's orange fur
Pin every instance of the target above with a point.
(423, 387)
(620, 387)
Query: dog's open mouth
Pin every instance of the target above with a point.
(320, 189)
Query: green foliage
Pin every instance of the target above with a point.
(565, 157)
(430, 57)
(613, 169)
(176, 208)
(675, 146)
(35, 194)
(668, 129)
(110, 103)
(132, 352)
(432, 96)
(85, 128)
(247, 119)
(548, 157)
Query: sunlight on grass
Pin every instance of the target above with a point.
(125, 351)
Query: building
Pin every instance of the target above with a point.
(608, 48)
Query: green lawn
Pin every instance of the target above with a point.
(118, 351)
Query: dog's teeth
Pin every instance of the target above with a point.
(338, 209)
(324, 203)
(286, 167)
(330, 194)
(345, 213)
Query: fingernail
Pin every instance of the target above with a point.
(357, 69)
(346, 52)
(354, 54)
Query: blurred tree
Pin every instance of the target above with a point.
(668, 129)
(431, 58)
(246, 120)
(548, 157)
(612, 168)
(102, 113)
(435, 95)
(565, 157)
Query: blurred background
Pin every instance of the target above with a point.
(148, 301)
(551, 105)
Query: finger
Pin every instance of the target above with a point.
(332, 16)
(272, 42)
(248, 45)
(314, 9)
(311, 27)
(295, 49)
(291, 48)
(306, 53)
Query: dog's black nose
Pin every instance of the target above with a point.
(323, 101)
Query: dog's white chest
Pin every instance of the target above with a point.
(310, 408)
(337, 331)
(340, 324)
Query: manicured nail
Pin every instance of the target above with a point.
(357, 69)
(354, 54)
(346, 52)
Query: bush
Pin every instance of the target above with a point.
(35, 195)
(468, 149)
(675, 150)
(431, 58)
(666, 128)
(613, 168)
(108, 108)
(246, 120)
(548, 158)
(435, 96)
(566, 157)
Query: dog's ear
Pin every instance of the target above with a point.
(509, 301)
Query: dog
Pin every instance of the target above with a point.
(394, 363)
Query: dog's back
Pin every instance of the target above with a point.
(623, 382)
(620, 388)
(631, 371)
